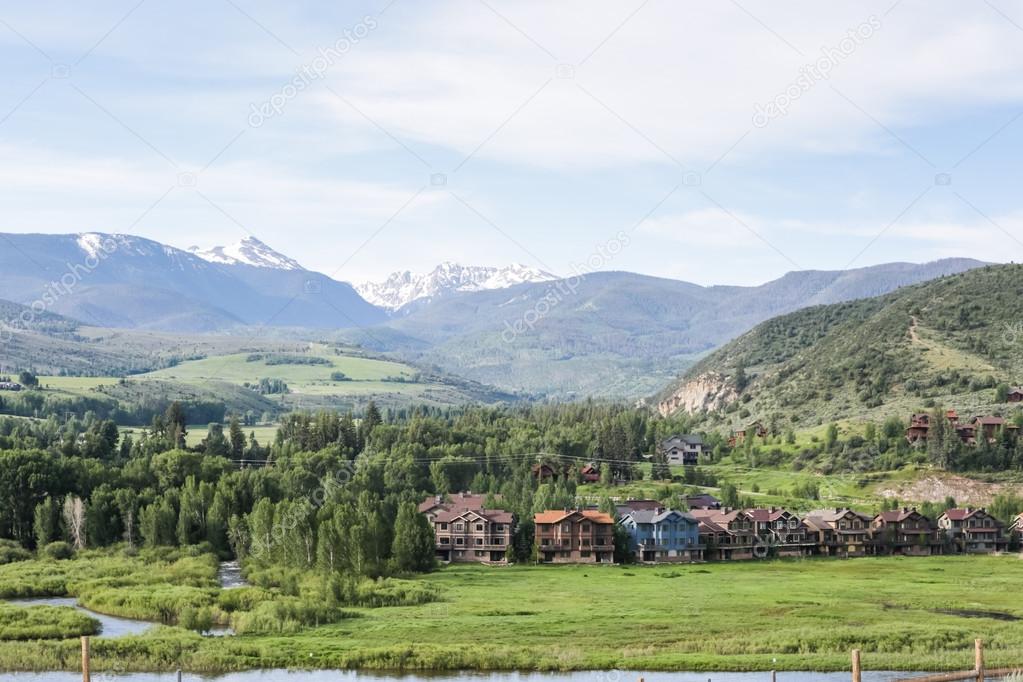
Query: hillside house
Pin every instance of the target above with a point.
(840, 532)
(754, 429)
(473, 535)
(919, 424)
(973, 531)
(1015, 395)
(906, 532)
(663, 536)
(590, 473)
(574, 536)
(683, 449)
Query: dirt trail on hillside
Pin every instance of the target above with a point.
(937, 487)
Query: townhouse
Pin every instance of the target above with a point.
(972, 531)
(474, 535)
(574, 536)
(840, 532)
(663, 535)
(726, 534)
(465, 531)
(906, 532)
(780, 533)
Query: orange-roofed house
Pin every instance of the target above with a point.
(574, 537)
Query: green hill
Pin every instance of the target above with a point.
(948, 341)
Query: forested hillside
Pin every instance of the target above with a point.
(953, 341)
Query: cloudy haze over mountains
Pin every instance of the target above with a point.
(408, 151)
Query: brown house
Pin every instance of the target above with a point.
(582, 537)
(726, 534)
(590, 473)
(905, 531)
(840, 532)
(973, 531)
(1015, 395)
(437, 503)
(918, 427)
(473, 535)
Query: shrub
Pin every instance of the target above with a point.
(11, 551)
(58, 551)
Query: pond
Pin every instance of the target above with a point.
(349, 676)
(112, 625)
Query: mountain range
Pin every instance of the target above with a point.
(612, 334)
(401, 289)
(116, 280)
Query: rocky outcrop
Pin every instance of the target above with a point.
(709, 391)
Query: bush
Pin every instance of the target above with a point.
(11, 551)
(58, 551)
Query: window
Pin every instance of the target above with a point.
(443, 526)
(586, 528)
(498, 527)
(545, 542)
(498, 541)
(459, 526)
(479, 541)
(478, 553)
(479, 527)
(445, 541)
(459, 541)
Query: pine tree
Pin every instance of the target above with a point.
(413, 548)
(237, 437)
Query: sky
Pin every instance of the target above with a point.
(719, 143)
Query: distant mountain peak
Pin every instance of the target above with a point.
(249, 251)
(404, 287)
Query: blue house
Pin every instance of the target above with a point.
(663, 535)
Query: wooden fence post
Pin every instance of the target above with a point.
(856, 673)
(86, 677)
(978, 649)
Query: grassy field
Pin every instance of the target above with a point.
(909, 614)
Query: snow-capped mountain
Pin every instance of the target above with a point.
(249, 251)
(402, 288)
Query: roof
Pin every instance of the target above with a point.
(897, 515)
(702, 501)
(989, 421)
(635, 505)
(832, 515)
(688, 438)
(650, 516)
(764, 515)
(494, 515)
(556, 516)
(463, 500)
(963, 514)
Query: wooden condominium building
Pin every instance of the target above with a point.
(841, 532)
(574, 536)
(663, 535)
(465, 530)
(972, 531)
(474, 535)
(905, 531)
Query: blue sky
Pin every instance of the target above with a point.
(491, 132)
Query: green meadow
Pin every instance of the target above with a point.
(903, 613)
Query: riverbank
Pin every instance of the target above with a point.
(904, 613)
